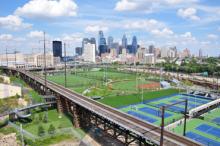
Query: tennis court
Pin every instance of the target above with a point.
(150, 110)
(203, 140)
(193, 101)
(150, 113)
(213, 116)
(205, 130)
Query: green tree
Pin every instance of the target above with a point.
(51, 129)
(40, 117)
(41, 131)
(45, 118)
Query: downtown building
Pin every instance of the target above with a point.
(102, 47)
(89, 53)
(57, 49)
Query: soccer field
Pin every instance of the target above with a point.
(117, 83)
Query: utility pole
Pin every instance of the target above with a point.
(185, 116)
(6, 52)
(65, 62)
(142, 91)
(15, 58)
(162, 125)
(45, 66)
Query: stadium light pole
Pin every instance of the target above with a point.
(45, 66)
(65, 62)
(15, 58)
(142, 91)
(45, 62)
(6, 53)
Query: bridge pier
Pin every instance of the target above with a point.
(12, 117)
(76, 116)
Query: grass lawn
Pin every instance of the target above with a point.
(35, 96)
(53, 118)
(110, 75)
(124, 100)
(74, 82)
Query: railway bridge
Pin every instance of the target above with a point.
(86, 113)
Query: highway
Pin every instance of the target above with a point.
(142, 128)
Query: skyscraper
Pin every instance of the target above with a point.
(78, 51)
(86, 41)
(134, 45)
(200, 53)
(110, 42)
(57, 49)
(102, 43)
(151, 49)
(89, 52)
(124, 42)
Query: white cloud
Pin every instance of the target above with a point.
(213, 36)
(149, 5)
(35, 34)
(175, 2)
(76, 37)
(95, 28)
(165, 32)
(204, 43)
(219, 28)
(188, 13)
(143, 24)
(188, 37)
(126, 5)
(13, 22)
(48, 8)
(6, 37)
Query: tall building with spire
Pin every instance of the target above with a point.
(124, 41)
(102, 43)
(110, 42)
(134, 45)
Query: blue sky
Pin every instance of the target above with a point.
(192, 24)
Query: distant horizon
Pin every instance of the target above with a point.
(192, 24)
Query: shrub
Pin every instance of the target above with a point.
(51, 129)
(41, 131)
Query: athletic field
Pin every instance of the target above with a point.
(104, 84)
(205, 131)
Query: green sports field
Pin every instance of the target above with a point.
(125, 100)
(109, 74)
(117, 84)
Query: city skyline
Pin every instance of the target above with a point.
(193, 24)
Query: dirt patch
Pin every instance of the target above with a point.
(70, 142)
(149, 86)
(8, 140)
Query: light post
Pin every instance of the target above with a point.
(45, 62)
(65, 65)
